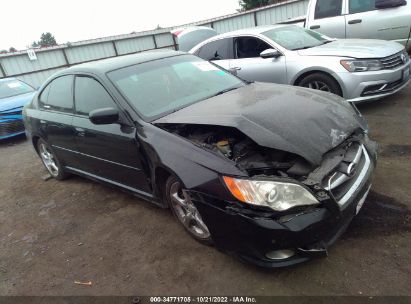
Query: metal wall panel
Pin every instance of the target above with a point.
(163, 40)
(36, 79)
(282, 13)
(234, 23)
(50, 60)
(135, 45)
(90, 52)
(169, 48)
(207, 24)
(22, 64)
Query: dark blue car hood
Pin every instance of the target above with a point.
(15, 102)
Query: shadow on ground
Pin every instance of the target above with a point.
(380, 215)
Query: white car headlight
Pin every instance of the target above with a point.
(362, 65)
(278, 196)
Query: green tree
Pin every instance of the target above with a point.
(47, 39)
(12, 50)
(250, 4)
(34, 44)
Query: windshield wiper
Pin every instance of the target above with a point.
(311, 46)
(225, 91)
(304, 48)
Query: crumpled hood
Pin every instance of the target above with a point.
(297, 120)
(15, 102)
(355, 48)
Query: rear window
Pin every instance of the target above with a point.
(328, 8)
(216, 50)
(10, 88)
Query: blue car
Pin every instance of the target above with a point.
(14, 94)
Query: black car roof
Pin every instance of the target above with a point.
(107, 65)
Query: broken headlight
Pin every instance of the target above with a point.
(278, 196)
(362, 65)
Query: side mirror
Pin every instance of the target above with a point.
(104, 116)
(270, 53)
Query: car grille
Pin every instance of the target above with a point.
(395, 61)
(11, 127)
(10, 113)
(345, 180)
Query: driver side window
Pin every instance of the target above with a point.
(90, 95)
(250, 47)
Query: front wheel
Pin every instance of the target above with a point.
(50, 160)
(321, 82)
(185, 211)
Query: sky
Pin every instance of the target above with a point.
(75, 20)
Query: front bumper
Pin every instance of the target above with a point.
(368, 86)
(11, 127)
(252, 235)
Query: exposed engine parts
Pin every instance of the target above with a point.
(248, 156)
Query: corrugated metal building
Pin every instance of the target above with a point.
(53, 59)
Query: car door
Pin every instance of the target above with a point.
(249, 65)
(56, 105)
(366, 21)
(218, 51)
(327, 18)
(108, 152)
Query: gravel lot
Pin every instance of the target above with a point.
(54, 233)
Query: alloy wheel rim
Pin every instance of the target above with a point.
(319, 85)
(48, 159)
(187, 213)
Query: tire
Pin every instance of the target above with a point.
(50, 161)
(185, 211)
(322, 82)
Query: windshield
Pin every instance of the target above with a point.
(296, 38)
(10, 88)
(160, 87)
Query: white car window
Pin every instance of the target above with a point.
(359, 6)
(328, 8)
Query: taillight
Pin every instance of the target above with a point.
(177, 33)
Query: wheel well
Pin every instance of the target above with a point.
(161, 176)
(35, 139)
(301, 77)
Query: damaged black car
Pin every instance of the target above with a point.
(271, 174)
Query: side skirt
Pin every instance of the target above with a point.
(140, 194)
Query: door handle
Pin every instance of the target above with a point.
(314, 27)
(355, 21)
(80, 132)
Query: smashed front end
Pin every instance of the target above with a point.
(306, 167)
(276, 238)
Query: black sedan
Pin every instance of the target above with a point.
(269, 173)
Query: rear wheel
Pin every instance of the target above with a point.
(185, 211)
(321, 82)
(50, 160)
